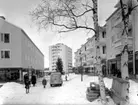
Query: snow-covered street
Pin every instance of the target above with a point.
(72, 92)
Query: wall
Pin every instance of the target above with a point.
(31, 56)
(14, 46)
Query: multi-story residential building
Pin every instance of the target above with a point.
(60, 51)
(18, 53)
(114, 31)
(86, 55)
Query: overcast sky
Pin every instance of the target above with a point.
(17, 12)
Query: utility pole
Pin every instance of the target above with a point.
(98, 57)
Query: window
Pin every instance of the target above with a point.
(2, 37)
(5, 54)
(130, 32)
(104, 49)
(103, 34)
(85, 48)
(5, 37)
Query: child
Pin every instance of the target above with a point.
(27, 86)
(44, 82)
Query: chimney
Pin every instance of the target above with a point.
(2, 17)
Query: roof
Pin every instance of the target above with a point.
(112, 14)
(31, 41)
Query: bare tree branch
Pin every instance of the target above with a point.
(65, 14)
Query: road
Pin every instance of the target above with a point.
(71, 92)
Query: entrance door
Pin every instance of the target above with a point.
(113, 69)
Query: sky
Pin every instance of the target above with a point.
(17, 13)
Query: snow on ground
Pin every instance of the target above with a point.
(72, 92)
(133, 93)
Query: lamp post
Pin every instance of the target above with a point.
(81, 69)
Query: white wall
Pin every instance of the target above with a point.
(135, 24)
(31, 56)
(14, 46)
(22, 56)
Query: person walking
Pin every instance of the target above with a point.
(44, 82)
(33, 80)
(27, 82)
(27, 86)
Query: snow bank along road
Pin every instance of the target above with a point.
(72, 92)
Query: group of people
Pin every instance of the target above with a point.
(33, 80)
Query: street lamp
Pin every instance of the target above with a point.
(81, 69)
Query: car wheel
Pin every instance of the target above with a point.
(51, 85)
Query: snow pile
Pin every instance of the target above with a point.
(8, 90)
(108, 82)
(133, 93)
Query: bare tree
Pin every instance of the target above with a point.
(67, 15)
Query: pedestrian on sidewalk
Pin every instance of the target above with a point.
(44, 82)
(66, 78)
(27, 82)
(27, 86)
(33, 80)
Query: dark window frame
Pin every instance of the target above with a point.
(5, 54)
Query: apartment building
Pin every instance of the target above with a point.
(114, 30)
(86, 55)
(18, 53)
(60, 51)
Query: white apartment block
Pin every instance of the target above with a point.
(86, 55)
(60, 51)
(114, 30)
(18, 53)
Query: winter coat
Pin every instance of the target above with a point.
(26, 78)
(44, 81)
(33, 79)
(27, 84)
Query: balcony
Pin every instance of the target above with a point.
(118, 45)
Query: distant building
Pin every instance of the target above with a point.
(46, 69)
(86, 55)
(60, 51)
(18, 53)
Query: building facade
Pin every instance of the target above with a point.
(115, 40)
(86, 55)
(18, 54)
(111, 43)
(60, 51)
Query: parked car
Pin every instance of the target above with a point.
(56, 79)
